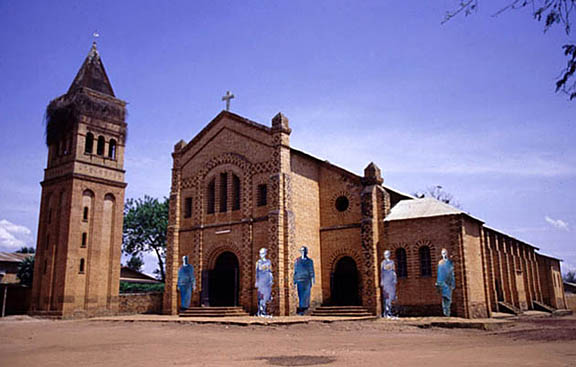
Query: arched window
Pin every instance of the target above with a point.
(223, 192)
(425, 261)
(401, 263)
(89, 146)
(87, 203)
(81, 265)
(100, 147)
(235, 192)
(84, 239)
(211, 197)
(262, 195)
(112, 149)
(188, 207)
(68, 145)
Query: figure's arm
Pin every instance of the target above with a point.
(256, 281)
(438, 280)
(193, 279)
(312, 271)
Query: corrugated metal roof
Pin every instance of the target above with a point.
(421, 208)
(13, 257)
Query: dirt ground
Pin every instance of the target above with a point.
(531, 342)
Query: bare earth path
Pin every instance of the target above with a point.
(534, 342)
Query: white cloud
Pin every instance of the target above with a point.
(14, 236)
(557, 223)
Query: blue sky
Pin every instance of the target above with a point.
(469, 105)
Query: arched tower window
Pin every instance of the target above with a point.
(100, 146)
(188, 207)
(425, 261)
(262, 195)
(68, 145)
(223, 192)
(84, 239)
(87, 201)
(81, 266)
(112, 149)
(211, 197)
(89, 146)
(401, 263)
(235, 192)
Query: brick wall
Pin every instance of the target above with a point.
(571, 301)
(138, 303)
(417, 294)
(474, 268)
(306, 205)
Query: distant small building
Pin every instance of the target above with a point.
(132, 276)
(570, 287)
(17, 295)
(9, 266)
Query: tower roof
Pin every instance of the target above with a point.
(92, 74)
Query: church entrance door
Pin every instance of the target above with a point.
(344, 284)
(223, 284)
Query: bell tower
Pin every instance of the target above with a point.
(77, 266)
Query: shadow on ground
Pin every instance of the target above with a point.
(304, 360)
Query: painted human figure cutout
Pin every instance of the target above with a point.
(186, 283)
(388, 281)
(445, 282)
(264, 281)
(303, 279)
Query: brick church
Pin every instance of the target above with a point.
(238, 186)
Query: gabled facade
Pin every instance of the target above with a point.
(239, 186)
(77, 264)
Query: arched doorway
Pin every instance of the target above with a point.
(344, 285)
(224, 281)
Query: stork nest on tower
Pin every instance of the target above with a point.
(64, 112)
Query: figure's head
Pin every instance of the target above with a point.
(304, 251)
(444, 253)
(387, 254)
(263, 252)
(185, 260)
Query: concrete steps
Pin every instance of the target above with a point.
(341, 311)
(508, 308)
(213, 312)
(543, 307)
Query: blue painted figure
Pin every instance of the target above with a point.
(445, 282)
(264, 281)
(186, 283)
(388, 284)
(303, 279)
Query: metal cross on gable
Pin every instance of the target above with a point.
(227, 98)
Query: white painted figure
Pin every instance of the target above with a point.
(186, 283)
(388, 282)
(445, 282)
(264, 281)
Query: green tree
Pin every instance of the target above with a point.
(26, 271)
(26, 250)
(135, 263)
(145, 226)
(552, 13)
